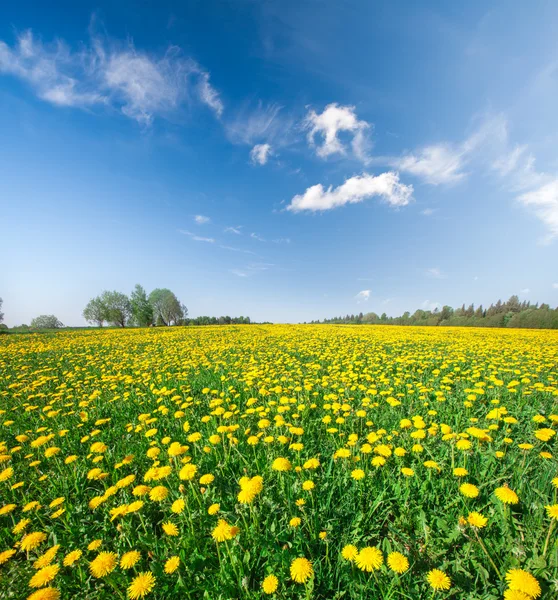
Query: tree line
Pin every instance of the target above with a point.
(160, 308)
(512, 313)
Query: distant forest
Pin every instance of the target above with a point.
(512, 313)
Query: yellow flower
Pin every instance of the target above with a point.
(46, 558)
(358, 474)
(94, 545)
(158, 493)
(469, 490)
(322, 535)
(47, 593)
(522, 581)
(188, 472)
(141, 585)
(44, 576)
(20, 526)
(281, 464)
(270, 584)
(295, 522)
(552, 511)
(214, 509)
(103, 564)
(407, 472)
(369, 559)
(170, 529)
(207, 479)
(515, 595)
(172, 564)
(349, 552)
(178, 506)
(475, 519)
(32, 541)
(506, 495)
(129, 559)
(6, 474)
(397, 562)
(438, 580)
(301, 570)
(308, 485)
(6, 555)
(222, 531)
(71, 558)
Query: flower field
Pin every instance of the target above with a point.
(289, 462)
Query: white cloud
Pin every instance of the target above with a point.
(435, 164)
(507, 163)
(281, 241)
(555, 286)
(524, 291)
(233, 230)
(427, 212)
(329, 123)
(543, 201)
(238, 272)
(260, 154)
(363, 296)
(435, 273)
(255, 236)
(201, 219)
(195, 237)
(141, 85)
(259, 124)
(444, 163)
(356, 189)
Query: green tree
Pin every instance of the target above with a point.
(118, 308)
(46, 322)
(142, 310)
(167, 309)
(96, 311)
(1, 313)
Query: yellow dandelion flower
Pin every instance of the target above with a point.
(214, 509)
(369, 559)
(103, 564)
(523, 581)
(32, 541)
(358, 474)
(397, 562)
(469, 490)
(170, 529)
(48, 593)
(141, 585)
(172, 564)
(552, 511)
(438, 580)
(129, 559)
(71, 558)
(6, 555)
(506, 495)
(44, 576)
(301, 570)
(477, 520)
(270, 584)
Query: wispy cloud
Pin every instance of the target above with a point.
(429, 305)
(251, 269)
(333, 120)
(233, 249)
(258, 237)
(434, 273)
(524, 291)
(356, 189)
(260, 124)
(141, 85)
(427, 212)
(260, 153)
(444, 162)
(555, 286)
(195, 237)
(201, 219)
(235, 230)
(282, 241)
(363, 296)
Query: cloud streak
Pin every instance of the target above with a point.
(141, 85)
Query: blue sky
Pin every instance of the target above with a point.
(286, 160)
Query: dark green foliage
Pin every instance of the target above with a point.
(502, 314)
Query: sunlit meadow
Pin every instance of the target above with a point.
(279, 462)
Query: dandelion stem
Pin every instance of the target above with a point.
(487, 554)
(548, 537)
